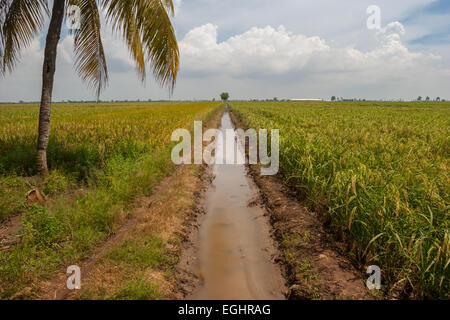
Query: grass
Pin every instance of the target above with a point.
(102, 159)
(137, 290)
(148, 254)
(380, 172)
(131, 262)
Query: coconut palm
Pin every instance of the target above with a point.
(145, 26)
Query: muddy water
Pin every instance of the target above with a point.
(234, 244)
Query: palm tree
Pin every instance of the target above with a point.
(144, 25)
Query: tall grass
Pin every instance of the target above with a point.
(380, 171)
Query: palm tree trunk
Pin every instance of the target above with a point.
(48, 75)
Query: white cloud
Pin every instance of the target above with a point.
(255, 52)
(265, 52)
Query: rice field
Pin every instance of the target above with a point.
(380, 173)
(85, 136)
(102, 157)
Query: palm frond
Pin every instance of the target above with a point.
(169, 5)
(4, 8)
(122, 16)
(159, 40)
(90, 61)
(149, 20)
(23, 19)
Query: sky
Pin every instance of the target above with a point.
(260, 49)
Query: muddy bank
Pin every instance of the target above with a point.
(314, 265)
(232, 253)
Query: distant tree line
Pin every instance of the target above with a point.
(438, 99)
(335, 98)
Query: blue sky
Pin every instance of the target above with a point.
(439, 32)
(439, 38)
(283, 48)
(438, 7)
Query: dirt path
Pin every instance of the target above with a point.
(233, 246)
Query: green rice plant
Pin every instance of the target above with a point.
(380, 171)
